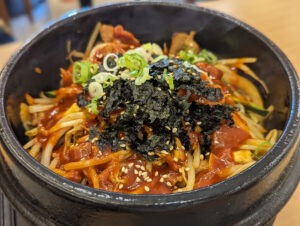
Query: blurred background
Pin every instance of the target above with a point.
(21, 19)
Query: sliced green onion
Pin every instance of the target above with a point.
(143, 78)
(134, 62)
(95, 90)
(208, 56)
(188, 56)
(152, 48)
(147, 46)
(158, 59)
(105, 79)
(105, 62)
(83, 71)
(203, 56)
(93, 106)
(137, 66)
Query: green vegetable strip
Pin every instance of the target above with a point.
(169, 79)
(262, 147)
(93, 106)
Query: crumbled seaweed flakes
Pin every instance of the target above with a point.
(117, 96)
(143, 105)
(210, 117)
(81, 100)
(153, 106)
(146, 146)
(211, 94)
(186, 77)
(181, 70)
(93, 132)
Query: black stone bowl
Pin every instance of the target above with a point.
(251, 198)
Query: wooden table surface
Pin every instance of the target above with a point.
(279, 20)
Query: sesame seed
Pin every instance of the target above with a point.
(165, 176)
(179, 190)
(140, 173)
(143, 168)
(216, 142)
(171, 147)
(121, 186)
(95, 139)
(104, 97)
(187, 123)
(201, 157)
(175, 159)
(159, 77)
(158, 88)
(168, 142)
(161, 180)
(187, 169)
(122, 145)
(130, 165)
(151, 153)
(167, 127)
(125, 170)
(137, 166)
(144, 174)
(169, 184)
(135, 172)
(156, 173)
(146, 178)
(147, 188)
(164, 152)
(198, 123)
(149, 180)
(174, 130)
(137, 179)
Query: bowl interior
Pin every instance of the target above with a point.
(149, 22)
